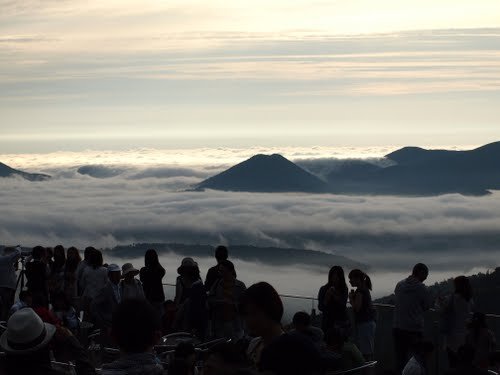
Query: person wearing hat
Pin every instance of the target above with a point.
(27, 341)
(188, 274)
(191, 299)
(107, 299)
(131, 288)
(8, 262)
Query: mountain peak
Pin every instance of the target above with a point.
(6, 171)
(265, 173)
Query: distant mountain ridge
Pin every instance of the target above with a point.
(411, 171)
(249, 253)
(6, 171)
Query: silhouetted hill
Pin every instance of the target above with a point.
(417, 171)
(486, 287)
(265, 173)
(266, 255)
(6, 171)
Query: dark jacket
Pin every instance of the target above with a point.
(212, 276)
(103, 306)
(151, 278)
(335, 311)
(37, 275)
(412, 301)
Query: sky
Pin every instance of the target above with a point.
(182, 74)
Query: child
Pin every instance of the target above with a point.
(65, 312)
(25, 300)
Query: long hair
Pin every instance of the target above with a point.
(365, 279)
(59, 257)
(463, 287)
(73, 259)
(151, 259)
(339, 271)
(95, 259)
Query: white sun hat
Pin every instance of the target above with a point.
(26, 333)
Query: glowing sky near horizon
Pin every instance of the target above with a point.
(189, 74)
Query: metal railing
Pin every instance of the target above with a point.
(383, 338)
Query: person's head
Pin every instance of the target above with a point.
(73, 254)
(136, 326)
(129, 272)
(227, 270)
(26, 334)
(336, 277)
(262, 308)
(88, 252)
(114, 273)
(26, 297)
(59, 255)
(38, 252)
(463, 287)
(151, 258)
(221, 253)
(359, 279)
(60, 301)
(95, 258)
(420, 272)
(424, 349)
(189, 269)
(224, 359)
(301, 321)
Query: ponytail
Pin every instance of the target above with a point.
(365, 279)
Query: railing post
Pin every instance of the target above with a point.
(437, 349)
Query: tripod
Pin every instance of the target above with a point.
(22, 274)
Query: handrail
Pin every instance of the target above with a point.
(313, 299)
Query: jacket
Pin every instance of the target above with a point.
(103, 306)
(151, 278)
(412, 301)
(7, 271)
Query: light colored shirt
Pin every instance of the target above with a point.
(8, 277)
(94, 279)
(117, 291)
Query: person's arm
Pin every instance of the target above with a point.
(141, 275)
(140, 289)
(321, 295)
(178, 291)
(427, 299)
(356, 300)
(209, 280)
(12, 257)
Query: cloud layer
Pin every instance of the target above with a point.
(149, 205)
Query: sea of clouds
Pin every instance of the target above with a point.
(105, 203)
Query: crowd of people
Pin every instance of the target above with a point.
(129, 307)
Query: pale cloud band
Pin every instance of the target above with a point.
(199, 68)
